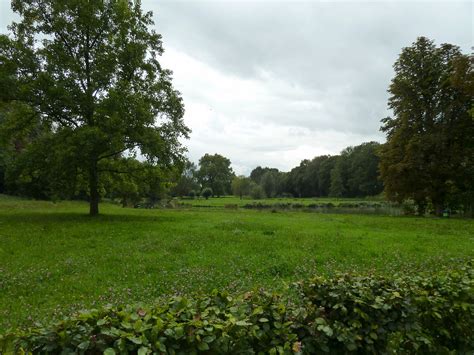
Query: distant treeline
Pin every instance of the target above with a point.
(353, 173)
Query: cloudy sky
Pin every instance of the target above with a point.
(273, 82)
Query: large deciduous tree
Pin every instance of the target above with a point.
(85, 77)
(216, 173)
(429, 154)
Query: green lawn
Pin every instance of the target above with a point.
(55, 259)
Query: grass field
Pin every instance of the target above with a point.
(54, 259)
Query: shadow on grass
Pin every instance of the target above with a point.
(73, 217)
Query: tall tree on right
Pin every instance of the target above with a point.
(429, 154)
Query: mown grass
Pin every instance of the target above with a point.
(54, 259)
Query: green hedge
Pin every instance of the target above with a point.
(347, 313)
(416, 314)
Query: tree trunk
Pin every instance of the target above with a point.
(468, 211)
(420, 207)
(439, 208)
(94, 190)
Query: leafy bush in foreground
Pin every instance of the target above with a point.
(406, 314)
(215, 323)
(370, 314)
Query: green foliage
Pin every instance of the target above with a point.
(347, 313)
(269, 183)
(86, 89)
(338, 178)
(187, 181)
(271, 180)
(353, 173)
(429, 152)
(319, 201)
(241, 186)
(257, 192)
(216, 173)
(132, 181)
(206, 192)
(342, 207)
(363, 179)
(257, 174)
(218, 323)
(407, 314)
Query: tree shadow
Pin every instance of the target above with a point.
(82, 218)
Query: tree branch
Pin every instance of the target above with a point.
(65, 42)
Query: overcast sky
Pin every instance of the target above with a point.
(271, 83)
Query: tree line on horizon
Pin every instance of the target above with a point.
(353, 173)
(87, 112)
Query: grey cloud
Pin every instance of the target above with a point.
(301, 40)
(338, 55)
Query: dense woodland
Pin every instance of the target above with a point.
(353, 173)
(87, 112)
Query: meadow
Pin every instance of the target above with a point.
(54, 259)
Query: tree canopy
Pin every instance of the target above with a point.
(241, 186)
(429, 154)
(85, 90)
(216, 173)
(187, 181)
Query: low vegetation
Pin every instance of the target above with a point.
(425, 313)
